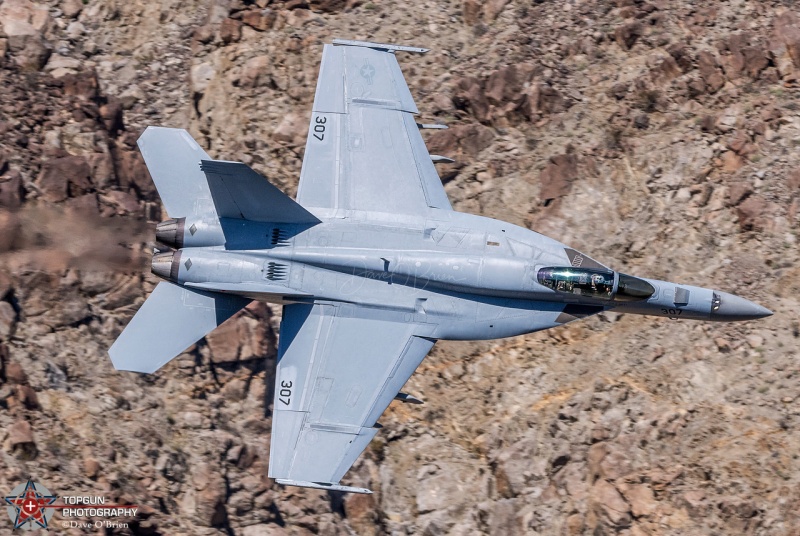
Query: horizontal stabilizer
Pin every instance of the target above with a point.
(241, 193)
(322, 485)
(438, 159)
(171, 319)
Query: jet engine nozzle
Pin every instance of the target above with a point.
(170, 232)
(165, 265)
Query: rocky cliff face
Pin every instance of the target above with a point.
(661, 137)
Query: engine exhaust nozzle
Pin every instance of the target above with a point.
(171, 232)
(166, 265)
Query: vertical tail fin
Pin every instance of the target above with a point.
(239, 192)
(173, 160)
(194, 186)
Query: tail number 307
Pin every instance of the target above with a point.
(319, 127)
(285, 394)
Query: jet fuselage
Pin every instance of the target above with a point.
(488, 278)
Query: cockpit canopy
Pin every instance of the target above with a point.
(579, 281)
(593, 283)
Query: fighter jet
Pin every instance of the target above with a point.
(370, 262)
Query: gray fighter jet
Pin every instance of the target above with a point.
(370, 262)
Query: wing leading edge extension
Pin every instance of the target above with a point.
(364, 149)
(338, 370)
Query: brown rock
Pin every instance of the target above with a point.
(261, 20)
(771, 113)
(751, 213)
(71, 8)
(619, 90)
(9, 230)
(102, 170)
(111, 114)
(738, 507)
(543, 99)
(30, 52)
(24, 24)
(472, 11)
(663, 69)
(461, 139)
(680, 53)
(8, 320)
(12, 191)
(203, 34)
(122, 295)
(492, 9)
(256, 72)
(361, 511)
(230, 31)
(556, 179)
(710, 71)
(785, 44)
(20, 439)
(209, 496)
(504, 85)
(627, 34)
(504, 518)
(470, 95)
(291, 130)
(23, 17)
(327, 6)
(132, 172)
(224, 343)
(27, 397)
(91, 467)
(15, 374)
(239, 338)
(661, 478)
(82, 84)
(793, 180)
(694, 501)
(609, 504)
(640, 497)
(731, 162)
(740, 143)
(575, 525)
(512, 466)
(123, 202)
(3, 362)
(616, 464)
(62, 177)
(6, 285)
(745, 58)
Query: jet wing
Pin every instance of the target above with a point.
(339, 367)
(364, 149)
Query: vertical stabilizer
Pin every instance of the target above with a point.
(173, 160)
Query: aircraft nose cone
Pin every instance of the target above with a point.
(727, 308)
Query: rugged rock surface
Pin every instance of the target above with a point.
(660, 137)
